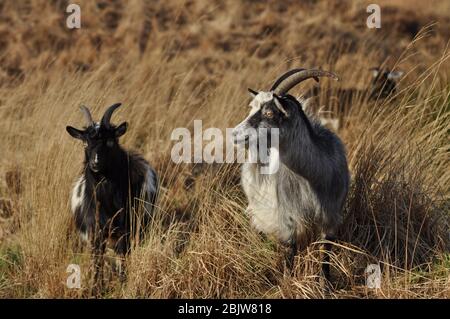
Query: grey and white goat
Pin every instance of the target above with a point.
(306, 194)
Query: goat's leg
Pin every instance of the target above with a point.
(98, 252)
(122, 248)
(121, 265)
(291, 252)
(327, 247)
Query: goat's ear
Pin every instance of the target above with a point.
(395, 75)
(75, 133)
(280, 106)
(375, 72)
(121, 129)
(253, 93)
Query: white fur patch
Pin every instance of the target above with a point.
(76, 200)
(330, 123)
(260, 99)
(84, 236)
(263, 202)
(395, 75)
(150, 188)
(261, 192)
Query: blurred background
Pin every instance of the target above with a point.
(217, 34)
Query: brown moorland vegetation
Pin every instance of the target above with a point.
(171, 62)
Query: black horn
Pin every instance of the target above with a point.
(252, 91)
(107, 116)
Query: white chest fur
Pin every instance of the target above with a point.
(263, 208)
(77, 201)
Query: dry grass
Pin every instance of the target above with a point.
(171, 63)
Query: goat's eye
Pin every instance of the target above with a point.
(110, 143)
(268, 114)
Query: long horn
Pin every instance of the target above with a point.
(284, 76)
(295, 78)
(87, 115)
(107, 116)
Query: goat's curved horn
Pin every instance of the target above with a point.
(284, 76)
(87, 115)
(291, 79)
(108, 113)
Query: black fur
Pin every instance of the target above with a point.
(116, 194)
(118, 189)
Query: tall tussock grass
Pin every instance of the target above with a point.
(201, 243)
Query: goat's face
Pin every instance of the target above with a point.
(266, 112)
(384, 83)
(100, 144)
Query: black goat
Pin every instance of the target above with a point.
(114, 197)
